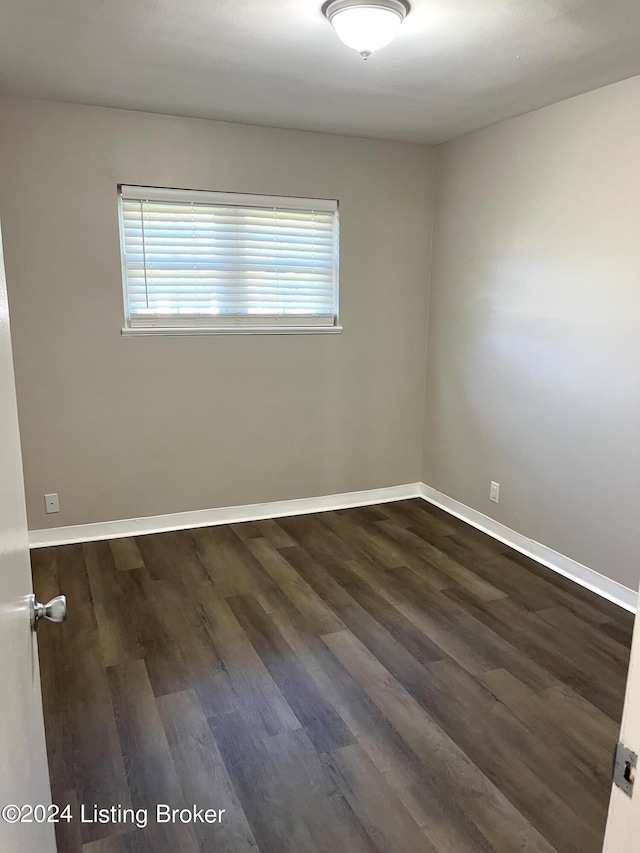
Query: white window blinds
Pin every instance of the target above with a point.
(195, 260)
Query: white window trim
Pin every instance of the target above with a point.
(281, 325)
(127, 332)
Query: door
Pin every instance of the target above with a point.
(24, 776)
(623, 823)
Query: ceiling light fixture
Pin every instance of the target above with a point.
(366, 26)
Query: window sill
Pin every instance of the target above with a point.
(237, 330)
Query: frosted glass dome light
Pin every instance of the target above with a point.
(366, 26)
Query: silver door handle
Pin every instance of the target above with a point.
(54, 610)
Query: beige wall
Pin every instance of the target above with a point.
(533, 368)
(124, 427)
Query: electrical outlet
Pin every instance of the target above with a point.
(51, 503)
(494, 492)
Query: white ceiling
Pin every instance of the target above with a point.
(455, 66)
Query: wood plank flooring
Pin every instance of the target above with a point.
(384, 679)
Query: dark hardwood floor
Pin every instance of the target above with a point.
(382, 679)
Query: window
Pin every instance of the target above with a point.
(215, 262)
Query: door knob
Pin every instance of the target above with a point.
(54, 610)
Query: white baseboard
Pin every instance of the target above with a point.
(583, 575)
(219, 515)
(604, 586)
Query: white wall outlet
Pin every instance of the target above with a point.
(494, 492)
(51, 503)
